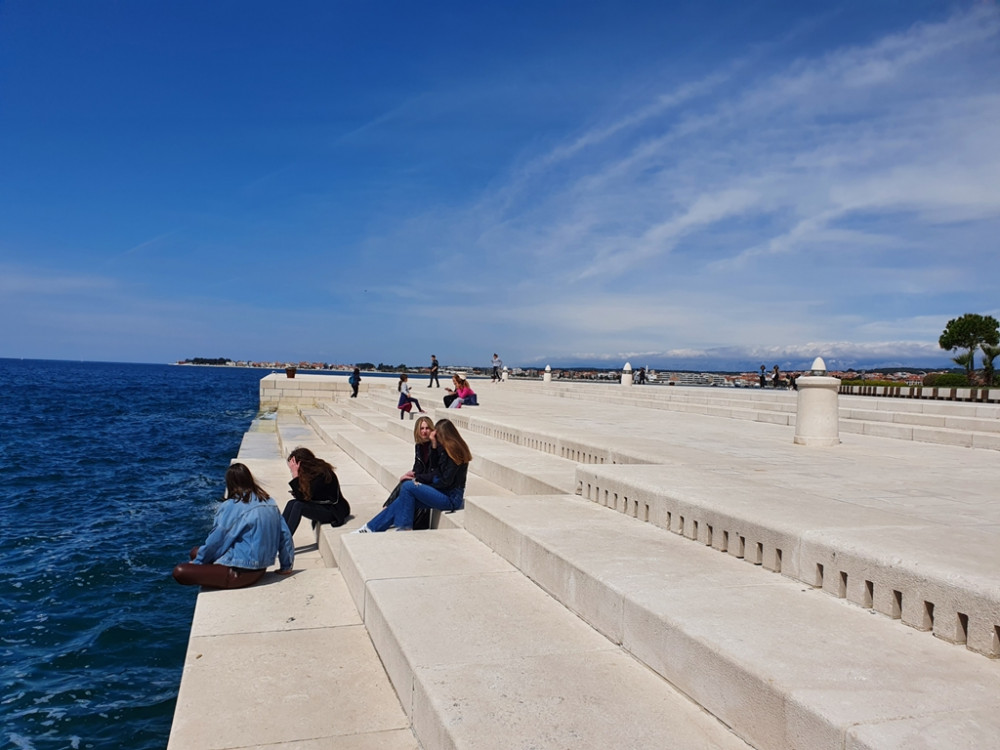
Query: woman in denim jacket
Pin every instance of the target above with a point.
(249, 533)
(445, 492)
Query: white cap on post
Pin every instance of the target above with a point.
(627, 374)
(817, 417)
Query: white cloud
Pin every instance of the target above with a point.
(757, 213)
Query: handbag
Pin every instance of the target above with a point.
(392, 495)
(422, 516)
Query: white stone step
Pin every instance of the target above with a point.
(781, 664)
(942, 422)
(287, 662)
(481, 658)
(901, 566)
(501, 463)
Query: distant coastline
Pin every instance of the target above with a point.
(903, 376)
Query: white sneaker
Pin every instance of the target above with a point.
(363, 530)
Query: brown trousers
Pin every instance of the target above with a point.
(216, 576)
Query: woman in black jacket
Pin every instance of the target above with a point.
(446, 491)
(424, 468)
(424, 455)
(315, 492)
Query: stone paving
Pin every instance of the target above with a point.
(758, 636)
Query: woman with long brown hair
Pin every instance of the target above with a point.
(315, 492)
(248, 534)
(446, 491)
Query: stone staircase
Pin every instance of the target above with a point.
(596, 591)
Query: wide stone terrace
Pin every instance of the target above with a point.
(631, 570)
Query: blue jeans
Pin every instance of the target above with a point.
(400, 511)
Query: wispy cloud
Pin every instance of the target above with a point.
(723, 199)
(26, 284)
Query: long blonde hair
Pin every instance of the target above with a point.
(416, 429)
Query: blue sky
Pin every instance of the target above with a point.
(690, 185)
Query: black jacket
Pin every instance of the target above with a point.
(425, 462)
(450, 476)
(323, 493)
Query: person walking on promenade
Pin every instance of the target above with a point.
(445, 492)
(405, 399)
(248, 534)
(315, 492)
(497, 366)
(776, 377)
(434, 373)
(763, 377)
(355, 381)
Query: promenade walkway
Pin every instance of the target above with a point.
(633, 568)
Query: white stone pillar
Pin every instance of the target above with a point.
(817, 418)
(503, 375)
(547, 376)
(627, 374)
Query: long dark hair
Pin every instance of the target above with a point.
(310, 467)
(452, 442)
(240, 484)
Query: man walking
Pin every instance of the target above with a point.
(434, 373)
(497, 365)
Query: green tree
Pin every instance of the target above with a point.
(969, 332)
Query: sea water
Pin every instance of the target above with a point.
(111, 473)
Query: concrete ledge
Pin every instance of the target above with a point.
(877, 559)
(474, 649)
(783, 666)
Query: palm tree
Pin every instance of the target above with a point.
(966, 360)
(990, 353)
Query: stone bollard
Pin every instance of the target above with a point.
(503, 375)
(817, 418)
(627, 374)
(547, 376)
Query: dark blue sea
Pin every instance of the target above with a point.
(111, 472)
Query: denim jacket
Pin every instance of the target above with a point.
(248, 535)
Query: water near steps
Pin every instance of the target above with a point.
(111, 472)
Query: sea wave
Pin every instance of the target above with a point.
(111, 472)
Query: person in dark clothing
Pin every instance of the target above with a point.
(355, 381)
(424, 453)
(424, 468)
(434, 373)
(315, 492)
(445, 492)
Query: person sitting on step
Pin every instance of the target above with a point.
(315, 492)
(248, 534)
(406, 401)
(445, 492)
